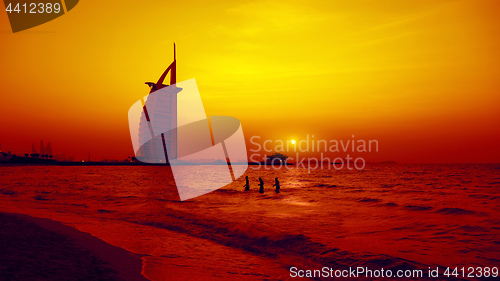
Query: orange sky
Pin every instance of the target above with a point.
(422, 78)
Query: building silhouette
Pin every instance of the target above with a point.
(42, 148)
(48, 149)
(158, 123)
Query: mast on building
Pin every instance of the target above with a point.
(164, 107)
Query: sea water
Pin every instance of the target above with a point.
(387, 215)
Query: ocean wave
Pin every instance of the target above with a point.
(418, 208)
(368, 200)
(40, 198)
(227, 191)
(389, 185)
(455, 211)
(326, 185)
(391, 204)
(473, 228)
(10, 192)
(289, 248)
(479, 196)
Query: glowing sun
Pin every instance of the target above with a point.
(292, 141)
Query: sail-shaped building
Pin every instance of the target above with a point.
(159, 134)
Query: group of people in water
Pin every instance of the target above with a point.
(261, 185)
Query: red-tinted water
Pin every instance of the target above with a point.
(384, 216)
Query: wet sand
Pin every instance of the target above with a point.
(165, 254)
(43, 249)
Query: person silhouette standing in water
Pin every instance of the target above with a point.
(277, 184)
(247, 184)
(261, 185)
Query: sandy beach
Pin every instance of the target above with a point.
(43, 249)
(193, 259)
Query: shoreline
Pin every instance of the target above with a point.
(334, 219)
(165, 254)
(50, 250)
